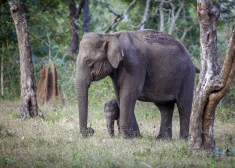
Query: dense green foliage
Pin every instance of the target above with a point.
(50, 32)
(9, 53)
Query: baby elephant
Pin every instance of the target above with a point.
(112, 111)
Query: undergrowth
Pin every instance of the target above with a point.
(56, 142)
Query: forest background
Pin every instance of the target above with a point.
(51, 33)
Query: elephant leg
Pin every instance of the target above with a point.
(116, 91)
(184, 104)
(184, 114)
(136, 130)
(118, 127)
(130, 88)
(166, 120)
(127, 105)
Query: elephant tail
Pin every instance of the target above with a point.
(197, 69)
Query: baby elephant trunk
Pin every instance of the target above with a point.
(110, 126)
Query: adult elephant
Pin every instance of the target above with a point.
(144, 65)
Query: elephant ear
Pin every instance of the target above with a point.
(114, 51)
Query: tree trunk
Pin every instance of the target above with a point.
(29, 105)
(119, 17)
(74, 28)
(162, 27)
(145, 16)
(2, 86)
(74, 14)
(174, 16)
(213, 84)
(86, 16)
(2, 60)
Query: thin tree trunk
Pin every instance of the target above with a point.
(174, 16)
(29, 105)
(2, 59)
(2, 85)
(162, 26)
(212, 84)
(74, 13)
(74, 28)
(144, 19)
(186, 30)
(86, 16)
(119, 17)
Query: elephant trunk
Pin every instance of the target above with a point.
(110, 126)
(83, 83)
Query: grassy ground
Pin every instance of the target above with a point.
(55, 141)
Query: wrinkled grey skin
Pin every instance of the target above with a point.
(144, 65)
(112, 113)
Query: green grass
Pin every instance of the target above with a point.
(56, 142)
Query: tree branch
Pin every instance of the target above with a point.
(119, 17)
(174, 16)
(129, 6)
(138, 26)
(163, 1)
(228, 70)
(144, 19)
(108, 7)
(186, 30)
(162, 26)
(114, 24)
(79, 8)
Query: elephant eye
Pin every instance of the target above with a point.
(88, 61)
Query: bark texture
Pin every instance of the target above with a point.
(2, 86)
(29, 105)
(86, 16)
(213, 84)
(145, 16)
(48, 87)
(74, 13)
(162, 26)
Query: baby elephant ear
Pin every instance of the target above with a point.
(105, 105)
(114, 52)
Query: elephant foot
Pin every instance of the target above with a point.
(164, 137)
(88, 132)
(136, 134)
(130, 134)
(126, 136)
(184, 136)
(111, 135)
